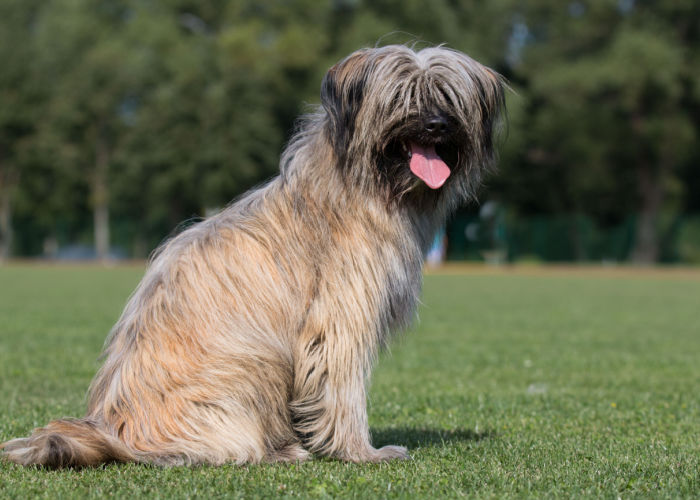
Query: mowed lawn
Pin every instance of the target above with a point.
(511, 384)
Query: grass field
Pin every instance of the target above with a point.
(512, 384)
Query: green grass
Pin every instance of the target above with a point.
(509, 386)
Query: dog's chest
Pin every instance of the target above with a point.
(403, 280)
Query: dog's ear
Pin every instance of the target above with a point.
(491, 92)
(342, 91)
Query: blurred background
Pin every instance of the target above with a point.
(119, 120)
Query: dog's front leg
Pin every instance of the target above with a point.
(329, 408)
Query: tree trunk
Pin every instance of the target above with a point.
(651, 190)
(5, 222)
(100, 197)
(6, 233)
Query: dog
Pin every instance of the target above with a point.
(252, 334)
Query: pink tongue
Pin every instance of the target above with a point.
(426, 164)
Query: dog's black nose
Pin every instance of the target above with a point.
(436, 125)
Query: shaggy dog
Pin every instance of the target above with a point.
(252, 334)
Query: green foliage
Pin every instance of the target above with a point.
(521, 385)
(19, 108)
(164, 110)
(611, 126)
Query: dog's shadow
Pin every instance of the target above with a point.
(415, 437)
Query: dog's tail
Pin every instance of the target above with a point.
(67, 443)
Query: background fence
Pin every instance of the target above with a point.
(564, 238)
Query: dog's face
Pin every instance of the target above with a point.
(421, 122)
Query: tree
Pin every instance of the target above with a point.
(20, 101)
(202, 128)
(607, 91)
(86, 62)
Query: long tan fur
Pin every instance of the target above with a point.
(252, 334)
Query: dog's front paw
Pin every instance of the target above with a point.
(373, 455)
(387, 453)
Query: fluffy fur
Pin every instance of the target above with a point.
(252, 334)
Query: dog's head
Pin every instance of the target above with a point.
(412, 125)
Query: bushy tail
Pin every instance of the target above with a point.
(67, 443)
